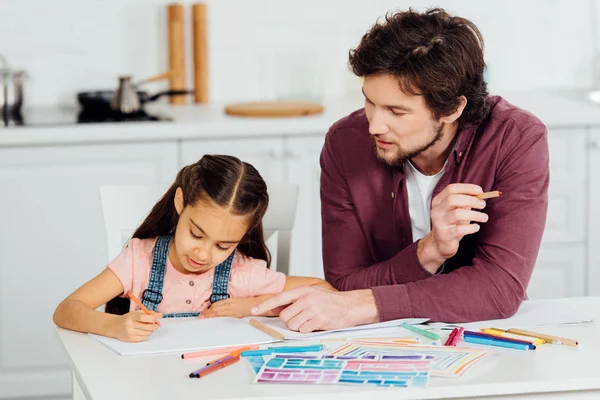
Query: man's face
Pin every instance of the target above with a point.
(400, 124)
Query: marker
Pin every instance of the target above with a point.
(494, 342)
(202, 372)
(223, 350)
(423, 332)
(283, 349)
(140, 305)
(235, 353)
(451, 337)
(499, 338)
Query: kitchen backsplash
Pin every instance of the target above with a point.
(255, 46)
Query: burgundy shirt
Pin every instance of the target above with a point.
(367, 237)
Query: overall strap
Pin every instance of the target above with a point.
(221, 280)
(152, 296)
(181, 315)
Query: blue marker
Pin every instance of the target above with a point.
(283, 349)
(500, 339)
(493, 342)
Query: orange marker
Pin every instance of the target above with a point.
(224, 350)
(235, 353)
(202, 372)
(140, 305)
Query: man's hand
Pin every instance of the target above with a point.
(451, 220)
(311, 308)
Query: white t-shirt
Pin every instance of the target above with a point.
(420, 190)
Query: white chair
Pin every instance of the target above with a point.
(125, 207)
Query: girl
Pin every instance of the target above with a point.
(200, 251)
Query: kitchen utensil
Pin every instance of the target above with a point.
(125, 99)
(176, 41)
(274, 109)
(11, 90)
(200, 53)
(99, 100)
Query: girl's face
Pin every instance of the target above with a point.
(205, 236)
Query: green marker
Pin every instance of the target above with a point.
(425, 333)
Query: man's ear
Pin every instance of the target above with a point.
(178, 201)
(451, 118)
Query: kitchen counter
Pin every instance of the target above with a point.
(56, 126)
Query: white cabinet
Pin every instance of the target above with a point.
(566, 222)
(51, 241)
(304, 170)
(594, 215)
(560, 270)
(265, 154)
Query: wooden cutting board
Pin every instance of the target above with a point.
(274, 109)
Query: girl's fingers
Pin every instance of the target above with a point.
(147, 319)
(139, 338)
(148, 328)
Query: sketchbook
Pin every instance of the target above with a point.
(382, 328)
(191, 334)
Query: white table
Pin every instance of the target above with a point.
(550, 372)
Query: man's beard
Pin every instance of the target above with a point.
(401, 155)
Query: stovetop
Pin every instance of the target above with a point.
(57, 117)
(87, 117)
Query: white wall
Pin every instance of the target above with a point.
(71, 45)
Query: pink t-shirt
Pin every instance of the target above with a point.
(191, 292)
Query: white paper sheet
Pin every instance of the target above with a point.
(382, 328)
(191, 334)
(531, 313)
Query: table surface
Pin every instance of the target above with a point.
(103, 374)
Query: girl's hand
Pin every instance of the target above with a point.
(238, 307)
(135, 326)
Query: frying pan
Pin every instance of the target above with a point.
(99, 100)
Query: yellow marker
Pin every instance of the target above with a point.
(503, 333)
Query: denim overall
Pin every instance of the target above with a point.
(152, 296)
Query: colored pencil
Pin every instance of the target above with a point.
(266, 329)
(488, 195)
(568, 342)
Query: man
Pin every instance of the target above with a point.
(404, 234)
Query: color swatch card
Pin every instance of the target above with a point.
(447, 361)
(399, 371)
(388, 328)
(257, 361)
(191, 334)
